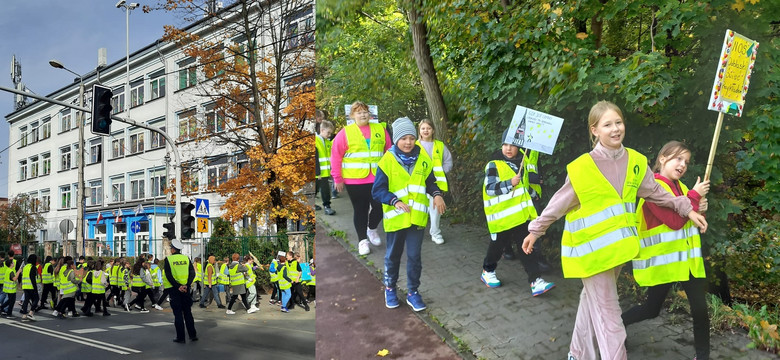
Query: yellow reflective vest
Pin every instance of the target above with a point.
(66, 287)
(97, 282)
(438, 163)
(530, 165)
(323, 155)
(601, 234)
(273, 270)
(506, 211)
(206, 280)
(283, 283)
(667, 255)
(26, 280)
(47, 276)
(409, 188)
(360, 159)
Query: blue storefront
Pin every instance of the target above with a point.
(131, 233)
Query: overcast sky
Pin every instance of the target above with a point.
(70, 31)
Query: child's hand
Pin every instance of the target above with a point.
(703, 205)
(528, 243)
(401, 206)
(702, 187)
(517, 178)
(438, 204)
(699, 220)
(340, 187)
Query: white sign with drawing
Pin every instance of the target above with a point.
(371, 108)
(534, 130)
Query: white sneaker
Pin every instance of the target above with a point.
(363, 248)
(30, 317)
(230, 312)
(158, 307)
(373, 236)
(539, 287)
(437, 239)
(490, 279)
(252, 309)
(55, 313)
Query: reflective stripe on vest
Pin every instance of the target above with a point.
(85, 286)
(221, 277)
(9, 286)
(283, 283)
(26, 281)
(667, 255)
(323, 155)
(66, 287)
(47, 277)
(206, 281)
(236, 278)
(409, 188)
(601, 234)
(292, 270)
(438, 160)
(506, 211)
(155, 274)
(113, 278)
(360, 160)
(138, 280)
(97, 283)
(252, 278)
(275, 273)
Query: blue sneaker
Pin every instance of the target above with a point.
(415, 301)
(539, 286)
(391, 300)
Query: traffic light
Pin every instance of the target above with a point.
(187, 220)
(170, 234)
(101, 110)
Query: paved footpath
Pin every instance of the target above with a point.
(501, 323)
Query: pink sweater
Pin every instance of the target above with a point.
(338, 150)
(612, 164)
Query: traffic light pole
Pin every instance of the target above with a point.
(126, 121)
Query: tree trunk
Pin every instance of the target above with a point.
(422, 55)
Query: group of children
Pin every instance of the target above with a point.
(604, 227)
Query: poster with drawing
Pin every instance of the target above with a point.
(371, 108)
(732, 78)
(534, 130)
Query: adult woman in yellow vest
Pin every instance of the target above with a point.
(670, 248)
(442, 164)
(403, 181)
(598, 199)
(210, 283)
(69, 282)
(356, 150)
(29, 287)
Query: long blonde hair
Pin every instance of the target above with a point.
(430, 123)
(596, 112)
(670, 150)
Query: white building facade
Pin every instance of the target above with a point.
(127, 173)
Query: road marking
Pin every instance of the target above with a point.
(73, 338)
(125, 327)
(158, 324)
(86, 331)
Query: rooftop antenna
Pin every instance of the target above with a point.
(16, 77)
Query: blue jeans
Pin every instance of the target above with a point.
(412, 238)
(206, 291)
(285, 297)
(8, 303)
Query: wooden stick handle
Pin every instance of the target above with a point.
(714, 146)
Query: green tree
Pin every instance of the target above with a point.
(20, 219)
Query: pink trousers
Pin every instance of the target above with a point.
(598, 318)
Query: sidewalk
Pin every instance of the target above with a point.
(501, 323)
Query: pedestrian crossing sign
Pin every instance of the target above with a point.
(202, 208)
(203, 225)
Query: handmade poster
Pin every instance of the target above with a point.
(733, 75)
(534, 130)
(371, 108)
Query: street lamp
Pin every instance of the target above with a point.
(80, 190)
(127, 7)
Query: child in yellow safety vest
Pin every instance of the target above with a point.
(442, 164)
(598, 199)
(403, 182)
(508, 208)
(670, 248)
(322, 145)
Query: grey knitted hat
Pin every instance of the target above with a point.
(402, 127)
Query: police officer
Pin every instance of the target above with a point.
(179, 273)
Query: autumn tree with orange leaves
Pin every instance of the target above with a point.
(258, 64)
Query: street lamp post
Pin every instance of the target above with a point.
(127, 7)
(80, 187)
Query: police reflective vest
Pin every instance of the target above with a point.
(47, 276)
(85, 286)
(506, 211)
(283, 283)
(198, 272)
(323, 155)
(667, 255)
(273, 269)
(530, 167)
(601, 234)
(221, 277)
(26, 281)
(113, 278)
(97, 283)
(236, 278)
(66, 287)
(438, 163)
(409, 188)
(251, 278)
(292, 271)
(180, 268)
(360, 159)
(206, 280)
(155, 274)
(9, 285)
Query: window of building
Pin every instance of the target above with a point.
(45, 200)
(118, 145)
(76, 152)
(23, 136)
(217, 173)
(158, 140)
(187, 73)
(23, 170)
(65, 196)
(44, 235)
(34, 135)
(118, 188)
(187, 125)
(65, 123)
(300, 28)
(46, 159)
(118, 101)
(137, 142)
(46, 128)
(95, 192)
(242, 161)
(34, 202)
(34, 166)
(157, 182)
(65, 158)
(137, 186)
(157, 86)
(137, 93)
(190, 177)
(95, 150)
(215, 120)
